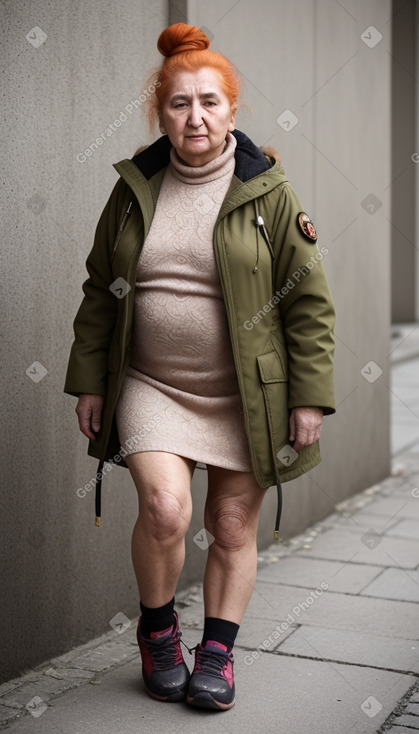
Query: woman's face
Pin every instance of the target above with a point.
(196, 116)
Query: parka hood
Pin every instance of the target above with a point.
(250, 160)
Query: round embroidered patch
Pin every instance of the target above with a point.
(307, 227)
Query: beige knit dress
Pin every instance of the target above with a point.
(180, 393)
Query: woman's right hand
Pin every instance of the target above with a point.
(89, 413)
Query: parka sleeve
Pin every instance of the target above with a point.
(95, 320)
(306, 309)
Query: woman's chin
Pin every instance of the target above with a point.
(197, 153)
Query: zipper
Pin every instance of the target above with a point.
(125, 217)
(262, 229)
(260, 225)
(121, 228)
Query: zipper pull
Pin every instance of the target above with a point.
(262, 229)
(125, 217)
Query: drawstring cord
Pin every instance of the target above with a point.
(279, 508)
(98, 493)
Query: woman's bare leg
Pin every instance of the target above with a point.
(231, 515)
(163, 483)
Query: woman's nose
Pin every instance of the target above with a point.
(195, 116)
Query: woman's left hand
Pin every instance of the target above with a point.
(305, 426)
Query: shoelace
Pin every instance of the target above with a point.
(212, 660)
(164, 651)
(190, 650)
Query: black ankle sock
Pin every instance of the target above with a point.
(220, 630)
(157, 618)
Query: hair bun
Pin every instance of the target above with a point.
(182, 37)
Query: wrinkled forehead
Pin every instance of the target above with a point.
(202, 82)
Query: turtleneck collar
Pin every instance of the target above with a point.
(212, 170)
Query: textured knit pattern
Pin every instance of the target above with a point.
(180, 393)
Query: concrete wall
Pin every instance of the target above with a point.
(405, 169)
(416, 160)
(63, 578)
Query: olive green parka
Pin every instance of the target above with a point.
(277, 300)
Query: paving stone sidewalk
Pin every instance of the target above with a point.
(329, 644)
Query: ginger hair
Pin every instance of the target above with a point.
(186, 48)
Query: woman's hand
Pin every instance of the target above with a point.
(89, 413)
(305, 426)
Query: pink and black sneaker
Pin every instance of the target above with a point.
(211, 685)
(165, 672)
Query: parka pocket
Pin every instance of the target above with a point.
(275, 392)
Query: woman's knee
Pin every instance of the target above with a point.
(165, 514)
(164, 494)
(231, 525)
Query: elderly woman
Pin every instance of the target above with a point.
(205, 335)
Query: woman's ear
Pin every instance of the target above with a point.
(232, 123)
(162, 128)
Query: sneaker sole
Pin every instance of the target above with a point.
(171, 698)
(204, 700)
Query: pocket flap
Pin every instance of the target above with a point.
(271, 368)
